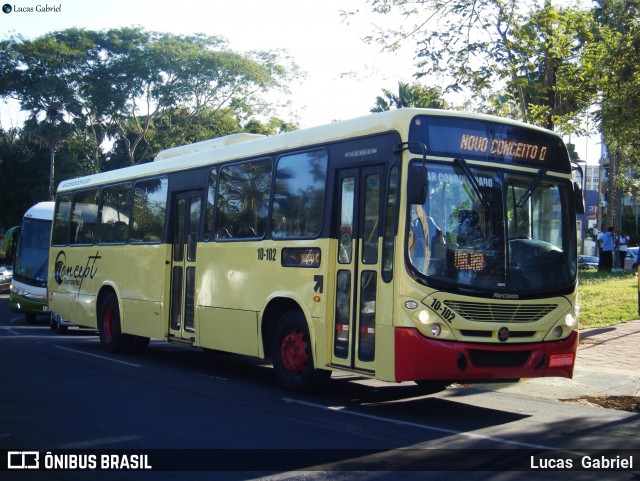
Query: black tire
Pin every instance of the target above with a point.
(432, 387)
(111, 337)
(53, 325)
(292, 355)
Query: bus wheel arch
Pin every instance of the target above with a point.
(272, 314)
(109, 323)
(288, 342)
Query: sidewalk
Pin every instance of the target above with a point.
(608, 364)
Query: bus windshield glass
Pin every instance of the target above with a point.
(32, 252)
(511, 232)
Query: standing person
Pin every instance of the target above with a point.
(606, 243)
(623, 245)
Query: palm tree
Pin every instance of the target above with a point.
(414, 95)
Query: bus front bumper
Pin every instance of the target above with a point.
(26, 305)
(421, 358)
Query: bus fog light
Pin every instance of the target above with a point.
(436, 330)
(557, 331)
(424, 317)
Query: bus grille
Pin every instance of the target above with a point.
(504, 313)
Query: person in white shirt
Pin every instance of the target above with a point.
(623, 245)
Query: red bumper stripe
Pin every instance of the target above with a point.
(418, 357)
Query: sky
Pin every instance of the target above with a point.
(344, 75)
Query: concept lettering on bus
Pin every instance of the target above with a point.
(411, 245)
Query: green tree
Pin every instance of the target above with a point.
(414, 95)
(524, 63)
(24, 163)
(41, 75)
(616, 71)
(119, 83)
(145, 75)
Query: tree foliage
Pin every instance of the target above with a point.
(521, 62)
(617, 75)
(119, 83)
(106, 99)
(414, 95)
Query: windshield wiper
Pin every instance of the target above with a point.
(43, 266)
(532, 187)
(460, 162)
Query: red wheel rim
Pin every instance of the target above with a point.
(293, 352)
(108, 322)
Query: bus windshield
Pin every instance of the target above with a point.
(493, 230)
(32, 252)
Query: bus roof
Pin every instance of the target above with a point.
(42, 210)
(239, 146)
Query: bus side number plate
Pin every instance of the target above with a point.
(267, 254)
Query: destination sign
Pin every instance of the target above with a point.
(483, 139)
(464, 260)
(512, 148)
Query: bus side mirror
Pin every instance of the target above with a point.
(417, 184)
(579, 198)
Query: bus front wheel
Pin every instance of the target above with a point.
(293, 356)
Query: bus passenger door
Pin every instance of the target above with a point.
(357, 268)
(186, 209)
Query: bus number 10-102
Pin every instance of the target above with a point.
(267, 254)
(446, 313)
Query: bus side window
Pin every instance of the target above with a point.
(211, 204)
(298, 200)
(149, 209)
(115, 214)
(84, 216)
(244, 192)
(60, 235)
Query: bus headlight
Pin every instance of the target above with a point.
(424, 316)
(557, 331)
(28, 295)
(436, 330)
(570, 319)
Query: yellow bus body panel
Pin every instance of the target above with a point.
(136, 273)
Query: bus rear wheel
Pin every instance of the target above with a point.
(111, 337)
(293, 356)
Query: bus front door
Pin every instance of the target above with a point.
(186, 208)
(357, 268)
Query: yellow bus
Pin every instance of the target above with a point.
(411, 245)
